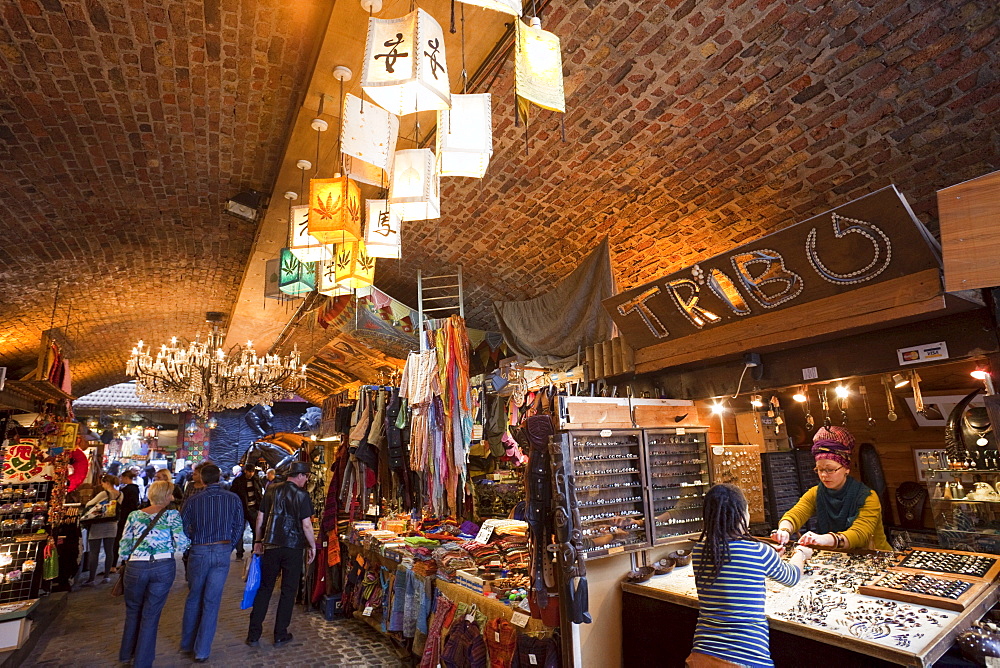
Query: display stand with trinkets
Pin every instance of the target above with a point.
(740, 466)
(678, 465)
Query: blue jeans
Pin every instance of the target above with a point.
(147, 584)
(208, 567)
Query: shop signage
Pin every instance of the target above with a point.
(868, 241)
(928, 352)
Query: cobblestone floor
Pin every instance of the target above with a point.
(88, 633)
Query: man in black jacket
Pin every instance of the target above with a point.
(283, 530)
(247, 486)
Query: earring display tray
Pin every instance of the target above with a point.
(948, 593)
(972, 566)
(740, 465)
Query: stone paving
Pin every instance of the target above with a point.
(88, 633)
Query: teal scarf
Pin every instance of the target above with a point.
(836, 510)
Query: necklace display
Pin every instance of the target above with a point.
(911, 503)
(982, 440)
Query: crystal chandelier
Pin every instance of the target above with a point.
(203, 378)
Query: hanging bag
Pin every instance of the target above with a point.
(118, 588)
(253, 583)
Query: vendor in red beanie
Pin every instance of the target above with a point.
(848, 513)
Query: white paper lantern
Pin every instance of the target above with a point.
(368, 133)
(465, 136)
(304, 245)
(506, 6)
(537, 69)
(405, 69)
(415, 188)
(382, 229)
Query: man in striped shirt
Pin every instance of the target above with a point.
(213, 520)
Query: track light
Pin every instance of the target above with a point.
(980, 373)
(899, 380)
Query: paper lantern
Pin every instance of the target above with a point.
(353, 267)
(368, 133)
(537, 69)
(295, 276)
(506, 6)
(326, 281)
(304, 245)
(272, 272)
(415, 188)
(405, 69)
(382, 229)
(465, 136)
(334, 210)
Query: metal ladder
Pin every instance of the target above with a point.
(450, 293)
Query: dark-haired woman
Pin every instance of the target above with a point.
(730, 566)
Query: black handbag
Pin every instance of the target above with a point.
(118, 588)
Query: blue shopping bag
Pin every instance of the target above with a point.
(253, 583)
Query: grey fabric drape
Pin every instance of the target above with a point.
(553, 327)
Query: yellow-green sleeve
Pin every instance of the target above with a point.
(803, 509)
(867, 530)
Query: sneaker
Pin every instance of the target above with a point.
(252, 643)
(283, 640)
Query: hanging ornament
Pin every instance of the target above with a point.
(334, 210)
(368, 137)
(824, 399)
(415, 188)
(538, 75)
(863, 391)
(295, 276)
(405, 69)
(465, 136)
(302, 244)
(512, 7)
(326, 280)
(890, 400)
(382, 229)
(272, 272)
(353, 267)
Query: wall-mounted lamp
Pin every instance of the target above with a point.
(245, 205)
(899, 380)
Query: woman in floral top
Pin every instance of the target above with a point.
(150, 572)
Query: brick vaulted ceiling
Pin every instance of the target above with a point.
(691, 127)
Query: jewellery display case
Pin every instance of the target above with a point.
(609, 475)
(965, 501)
(678, 469)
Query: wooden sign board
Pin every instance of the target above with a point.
(871, 241)
(969, 213)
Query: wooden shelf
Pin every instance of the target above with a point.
(22, 395)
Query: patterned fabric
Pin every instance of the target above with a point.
(731, 621)
(212, 516)
(464, 647)
(834, 443)
(501, 641)
(166, 537)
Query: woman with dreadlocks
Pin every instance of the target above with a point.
(729, 568)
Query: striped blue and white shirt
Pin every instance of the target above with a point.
(731, 620)
(212, 516)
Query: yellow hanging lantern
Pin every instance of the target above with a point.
(334, 210)
(304, 245)
(326, 280)
(538, 75)
(405, 69)
(465, 136)
(415, 188)
(353, 267)
(382, 229)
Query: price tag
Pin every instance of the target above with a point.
(496, 635)
(470, 617)
(484, 534)
(519, 619)
(681, 431)
(605, 433)
(532, 660)
(368, 611)
(616, 550)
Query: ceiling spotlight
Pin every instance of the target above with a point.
(717, 408)
(841, 392)
(245, 205)
(979, 373)
(899, 380)
(800, 396)
(756, 400)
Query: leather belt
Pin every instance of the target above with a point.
(153, 557)
(218, 542)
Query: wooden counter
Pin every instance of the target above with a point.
(670, 602)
